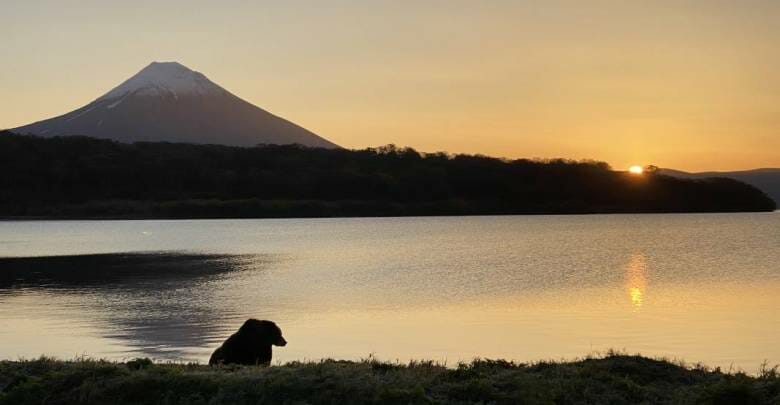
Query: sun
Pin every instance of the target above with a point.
(636, 169)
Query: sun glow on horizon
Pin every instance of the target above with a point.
(636, 169)
(559, 79)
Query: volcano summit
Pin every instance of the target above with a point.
(169, 102)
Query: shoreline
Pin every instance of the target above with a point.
(613, 378)
(194, 218)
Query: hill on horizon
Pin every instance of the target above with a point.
(765, 179)
(166, 101)
(70, 176)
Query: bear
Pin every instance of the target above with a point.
(251, 345)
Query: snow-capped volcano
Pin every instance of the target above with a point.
(165, 78)
(169, 102)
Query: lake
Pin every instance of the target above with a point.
(697, 287)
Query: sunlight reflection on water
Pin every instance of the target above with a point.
(636, 280)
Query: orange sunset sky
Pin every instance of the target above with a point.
(693, 85)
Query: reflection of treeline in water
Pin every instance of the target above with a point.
(616, 379)
(114, 270)
(85, 177)
(161, 304)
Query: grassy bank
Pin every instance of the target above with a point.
(614, 379)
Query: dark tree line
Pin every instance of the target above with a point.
(82, 177)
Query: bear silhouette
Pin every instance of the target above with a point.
(251, 345)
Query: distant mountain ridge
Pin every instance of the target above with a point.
(765, 179)
(167, 101)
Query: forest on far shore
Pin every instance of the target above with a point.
(80, 177)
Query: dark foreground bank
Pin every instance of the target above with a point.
(78, 177)
(615, 379)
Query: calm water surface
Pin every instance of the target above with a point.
(702, 287)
